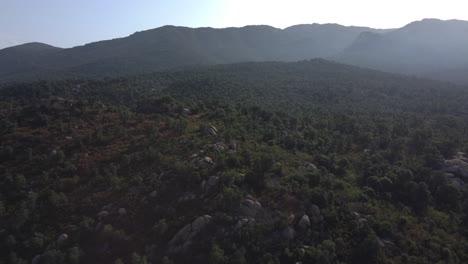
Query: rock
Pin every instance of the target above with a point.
(183, 238)
(455, 181)
(457, 167)
(212, 182)
(219, 146)
(242, 222)
(36, 259)
(304, 222)
(379, 241)
(250, 208)
(200, 222)
(209, 130)
(204, 163)
(103, 214)
(107, 207)
(153, 194)
(288, 233)
(388, 243)
(307, 166)
(98, 227)
(234, 145)
(122, 211)
(62, 238)
(186, 111)
(186, 197)
(314, 210)
(220, 112)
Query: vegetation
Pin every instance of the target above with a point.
(105, 171)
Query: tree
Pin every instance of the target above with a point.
(216, 255)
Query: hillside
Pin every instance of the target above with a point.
(170, 46)
(312, 162)
(431, 48)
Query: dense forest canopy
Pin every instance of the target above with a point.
(267, 162)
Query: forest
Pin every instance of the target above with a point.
(265, 162)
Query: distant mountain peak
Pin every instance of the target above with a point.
(32, 46)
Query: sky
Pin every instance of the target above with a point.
(68, 23)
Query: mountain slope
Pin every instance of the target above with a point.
(431, 47)
(171, 46)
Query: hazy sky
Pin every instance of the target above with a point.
(67, 23)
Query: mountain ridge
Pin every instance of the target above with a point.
(174, 46)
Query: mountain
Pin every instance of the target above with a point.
(431, 48)
(171, 46)
(25, 59)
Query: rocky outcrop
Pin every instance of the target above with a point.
(218, 146)
(455, 181)
(201, 161)
(288, 233)
(62, 238)
(103, 214)
(183, 238)
(314, 214)
(242, 222)
(186, 197)
(458, 167)
(304, 222)
(221, 112)
(207, 185)
(250, 208)
(186, 111)
(209, 130)
(234, 145)
(307, 166)
(122, 211)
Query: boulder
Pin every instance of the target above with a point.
(186, 111)
(455, 181)
(36, 259)
(186, 197)
(304, 222)
(219, 146)
(107, 207)
(221, 112)
(209, 130)
(183, 238)
(153, 194)
(234, 145)
(122, 211)
(457, 167)
(242, 222)
(103, 214)
(314, 210)
(307, 166)
(288, 233)
(250, 208)
(62, 238)
(203, 162)
(210, 183)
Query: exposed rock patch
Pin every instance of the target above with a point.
(209, 130)
(183, 238)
